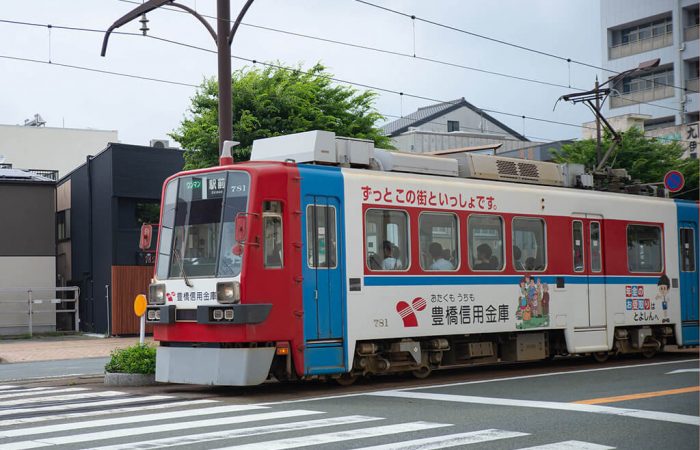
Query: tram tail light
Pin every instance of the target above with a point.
(228, 292)
(282, 349)
(156, 294)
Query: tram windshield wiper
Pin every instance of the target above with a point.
(178, 256)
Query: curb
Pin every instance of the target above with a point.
(129, 379)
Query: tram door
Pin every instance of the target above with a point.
(322, 274)
(688, 246)
(588, 264)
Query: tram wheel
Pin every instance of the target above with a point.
(346, 379)
(649, 353)
(601, 357)
(422, 373)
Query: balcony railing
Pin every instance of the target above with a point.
(647, 95)
(641, 46)
(691, 33)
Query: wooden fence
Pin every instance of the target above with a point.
(127, 283)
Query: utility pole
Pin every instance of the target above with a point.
(223, 37)
(597, 121)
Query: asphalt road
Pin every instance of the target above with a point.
(52, 369)
(628, 403)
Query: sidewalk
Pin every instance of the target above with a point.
(63, 347)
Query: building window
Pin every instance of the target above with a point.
(485, 242)
(643, 31)
(439, 247)
(529, 238)
(147, 212)
(386, 239)
(646, 81)
(452, 125)
(63, 222)
(644, 248)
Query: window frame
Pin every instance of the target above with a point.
(503, 243)
(407, 251)
(600, 245)
(661, 247)
(582, 246)
(309, 241)
(691, 246)
(273, 215)
(457, 240)
(544, 240)
(451, 126)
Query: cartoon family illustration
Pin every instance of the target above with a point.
(533, 303)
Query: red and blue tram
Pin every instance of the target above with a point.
(324, 257)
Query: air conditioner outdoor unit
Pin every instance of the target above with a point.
(160, 143)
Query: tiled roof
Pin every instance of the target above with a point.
(21, 175)
(428, 113)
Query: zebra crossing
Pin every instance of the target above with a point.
(81, 418)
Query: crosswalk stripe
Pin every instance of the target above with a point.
(240, 433)
(38, 391)
(69, 406)
(57, 398)
(152, 429)
(451, 440)
(339, 436)
(561, 406)
(6, 386)
(102, 412)
(570, 445)
(130, 419)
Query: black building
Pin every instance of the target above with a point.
(101, 206)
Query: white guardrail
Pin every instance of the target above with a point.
(36, 297)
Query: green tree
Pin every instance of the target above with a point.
(274, 101)
(646, 159)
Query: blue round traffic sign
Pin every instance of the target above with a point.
(674, 181)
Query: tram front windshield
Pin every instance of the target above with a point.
(197, 225)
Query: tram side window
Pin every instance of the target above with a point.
(485, 242)
(438, 241)
(321, 236)
(272, 234)
(687, 250)
(529, 236)
(644, 248)
(386, 239)
(578, 245)
(596, 263)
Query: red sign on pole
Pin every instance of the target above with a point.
(674, 181)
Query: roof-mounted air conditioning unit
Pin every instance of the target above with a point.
(160, 143)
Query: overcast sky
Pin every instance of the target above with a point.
(141, 110)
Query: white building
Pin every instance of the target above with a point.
(47, 148)
(451, 125)
(636, 31)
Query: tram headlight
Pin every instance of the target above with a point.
(156, 294)
(218, 314)
(228, 292)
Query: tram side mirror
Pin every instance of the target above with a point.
(241, 225)
(146, 236)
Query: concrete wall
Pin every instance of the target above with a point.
(48, 148)
(17, 275)
(469, 122)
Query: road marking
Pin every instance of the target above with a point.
(640, 414)
(129, 419)
(622, 398)
(340, 436)
(6, 386)
(101, 412)
(465, 383)
(38, 391)
(152, 429)
(193, 439)
(67, 406)
(451, 440)
(682, 371)
(57, 398)
(570, 445)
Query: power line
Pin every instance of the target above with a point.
(254, 61)
(499, 41)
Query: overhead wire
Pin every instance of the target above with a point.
(253, 61)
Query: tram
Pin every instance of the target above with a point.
(324, 257)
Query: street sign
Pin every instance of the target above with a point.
(674, 181)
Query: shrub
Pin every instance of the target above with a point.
(135, 359)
